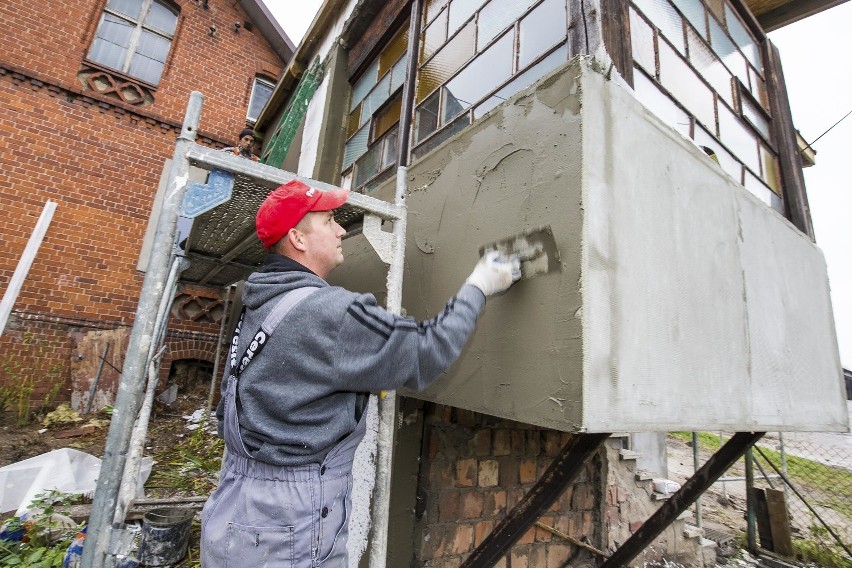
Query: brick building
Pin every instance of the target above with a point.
(92, 103)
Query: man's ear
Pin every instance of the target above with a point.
(296, 239)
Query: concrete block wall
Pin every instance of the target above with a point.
(475, 469)
(100, 159)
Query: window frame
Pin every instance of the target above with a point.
(263, 79)
(138, 27)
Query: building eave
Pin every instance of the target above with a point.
(269, 28)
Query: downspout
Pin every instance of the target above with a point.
(388, 406)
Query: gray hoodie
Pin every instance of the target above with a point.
(307, 389)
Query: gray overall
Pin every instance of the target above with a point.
(263, 515)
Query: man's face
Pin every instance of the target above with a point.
(323, 241)
(246, 142)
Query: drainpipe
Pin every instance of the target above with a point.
(134, 372)
(388, 406)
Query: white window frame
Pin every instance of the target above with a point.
(268, 83)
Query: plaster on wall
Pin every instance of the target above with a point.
(683, 301)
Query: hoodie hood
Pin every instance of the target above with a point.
(277, 275)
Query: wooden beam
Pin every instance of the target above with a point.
(615, 16)
(793, 12)
(784, 135)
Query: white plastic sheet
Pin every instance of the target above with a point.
(66, 470)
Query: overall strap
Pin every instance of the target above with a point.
(287, 303)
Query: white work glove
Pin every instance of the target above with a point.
(495, 273)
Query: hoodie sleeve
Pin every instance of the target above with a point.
(377, 350)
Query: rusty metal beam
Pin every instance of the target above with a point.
(564, 469)
(712, 470)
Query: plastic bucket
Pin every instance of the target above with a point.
(165, 536)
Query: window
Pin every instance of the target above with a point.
(261, 90)
(374, 109)
(698, 67)
(475, 54)
(134, 37)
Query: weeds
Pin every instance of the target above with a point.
(44, 536)
(192, 466)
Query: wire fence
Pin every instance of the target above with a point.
(815, 473)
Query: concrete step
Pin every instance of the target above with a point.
(643, 475)
(629, 454)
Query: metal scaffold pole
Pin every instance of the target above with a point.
(134, 373)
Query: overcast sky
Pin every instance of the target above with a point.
(817, 69)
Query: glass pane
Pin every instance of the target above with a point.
(660, 103)
(260, 93)
(378, 180)
(457, 125)
(446, 62)
(356, 147)
(524, 80)
(433, 7)
(743, 39)
(131, 8)
(728, 163)
(433, 37)
(485, 73)
(727, 51)
(146, 69)
(398, 72)
(364, 84)
(771, 169)
(394, 50)
(387, 118)
(694, 12)
(153, 46)
(460, 12)
(755, 116)
(110, 45)
(368, 165)
(161, 18)
(496, 17)
(666, 18)
(684, 85)
(709, 67)
(375, 99)
(758, 89)
(390, 150)
(543, 28)
(642, 42)
(346, 180)
(353, 122)
(426, 118)
(756, 187)
(738, 138)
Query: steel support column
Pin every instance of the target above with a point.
(552, 484)
(686, 496)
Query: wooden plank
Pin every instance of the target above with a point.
(764, 532)
(615, 16)
(779, 522)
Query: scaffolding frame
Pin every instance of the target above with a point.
(104, 540)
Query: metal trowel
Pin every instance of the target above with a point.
(535, 248)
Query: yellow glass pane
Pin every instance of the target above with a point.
(717, 7)
(433, 37)
(394, 50)
(354, 121)
(387, 118)
(771, 169)
(446, 62)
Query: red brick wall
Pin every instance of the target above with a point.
(100, 160)
(476, 468)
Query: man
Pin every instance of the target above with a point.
(294, 413)
(245, 147)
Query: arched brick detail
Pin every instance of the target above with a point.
(179, 349)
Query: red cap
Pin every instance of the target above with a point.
(286, 206)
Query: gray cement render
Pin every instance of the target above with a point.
(683, 302)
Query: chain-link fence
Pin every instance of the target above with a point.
(814, 471)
